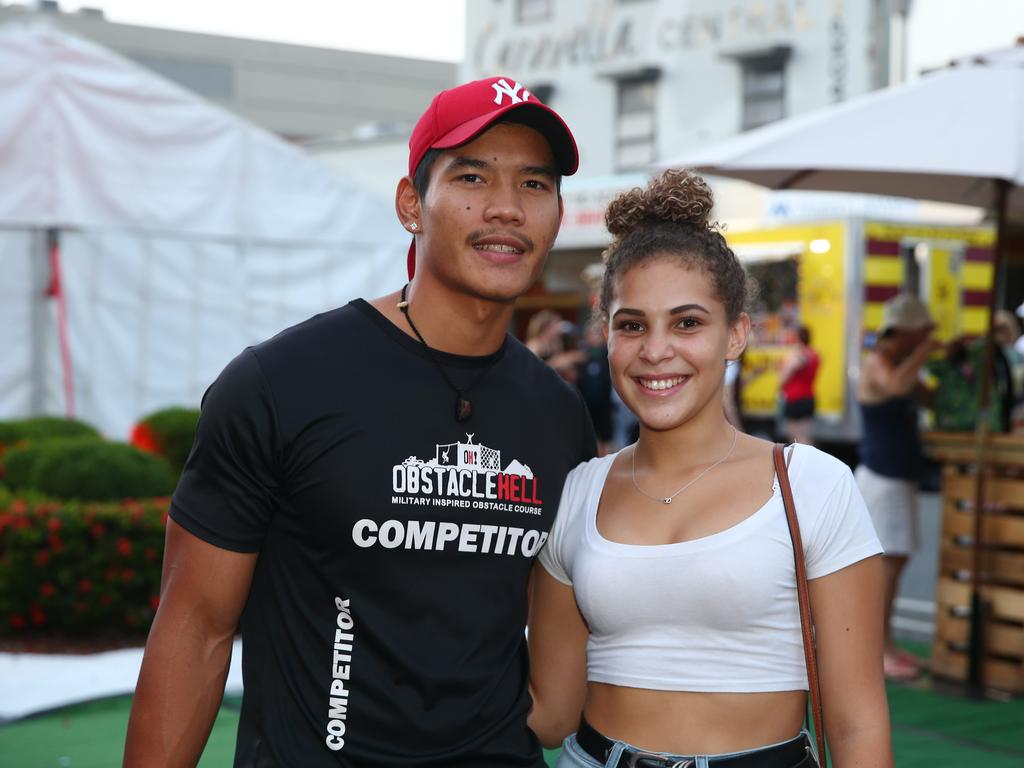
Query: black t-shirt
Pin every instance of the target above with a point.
(385, 620)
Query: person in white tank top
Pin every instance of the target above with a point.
(664, 608)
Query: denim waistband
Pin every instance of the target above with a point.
(786, 754)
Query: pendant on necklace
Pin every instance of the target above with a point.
(463, 409)
(667, 500)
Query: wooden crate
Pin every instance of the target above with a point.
(1001, 565)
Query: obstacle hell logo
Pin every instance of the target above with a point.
(469, 472)
(460, 476)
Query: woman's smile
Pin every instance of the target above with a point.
(660, 385)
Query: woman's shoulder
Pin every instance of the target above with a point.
(581, 485)
(588, 473)
(811, 469)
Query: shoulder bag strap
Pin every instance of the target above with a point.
(804, 599)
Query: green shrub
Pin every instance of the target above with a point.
(42, 428)
(17, 465)
(79, 567)
(170, 433)
(87, 469)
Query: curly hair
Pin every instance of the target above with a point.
(670, 219)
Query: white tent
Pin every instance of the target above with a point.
(183, 234)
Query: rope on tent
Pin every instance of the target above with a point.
(55, 290)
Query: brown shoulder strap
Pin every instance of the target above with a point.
(804, 599)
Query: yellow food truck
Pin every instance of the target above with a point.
(834, 277)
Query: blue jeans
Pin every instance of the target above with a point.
(573, 755)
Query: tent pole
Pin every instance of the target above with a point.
(975, 669)
(40, 320)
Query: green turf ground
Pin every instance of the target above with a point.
(929, 731)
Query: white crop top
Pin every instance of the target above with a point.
(718, 613)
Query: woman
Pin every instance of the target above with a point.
(666, 607)
(891, 457)
(797, 381)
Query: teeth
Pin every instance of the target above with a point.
(658, 384)
(497, 247)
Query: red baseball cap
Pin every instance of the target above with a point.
(458, 115)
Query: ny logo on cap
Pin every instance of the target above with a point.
(502, 89)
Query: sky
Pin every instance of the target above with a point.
(944, 29)
(428, 29)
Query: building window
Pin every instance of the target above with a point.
(634, 124)
(528, 11)
(764, 91)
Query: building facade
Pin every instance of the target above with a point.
(641, 81)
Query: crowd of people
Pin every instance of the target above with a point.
(372, 498)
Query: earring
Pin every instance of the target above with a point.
(414, 226)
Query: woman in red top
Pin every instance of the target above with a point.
(797, 378)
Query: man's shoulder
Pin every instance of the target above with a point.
(534, 372)
(314, 348)
(332, 324)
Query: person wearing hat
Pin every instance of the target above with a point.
(367, 490)
(891, 457)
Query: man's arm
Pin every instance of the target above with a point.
(181, 683)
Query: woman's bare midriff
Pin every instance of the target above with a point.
(688, 722)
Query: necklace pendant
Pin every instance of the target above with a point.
(463, 409)
(667, 500)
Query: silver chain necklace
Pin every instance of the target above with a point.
(668, 499)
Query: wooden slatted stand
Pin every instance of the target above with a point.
(1001, 558)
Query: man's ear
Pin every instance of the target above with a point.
(407, 205)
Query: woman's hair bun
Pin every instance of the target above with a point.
(676, 196)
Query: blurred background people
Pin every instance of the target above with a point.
(544, 334)
(959, 374)
(595, 384)
(1006, 334)
(891, 454)
(1019, 344)
(555, 340)
(797, 382)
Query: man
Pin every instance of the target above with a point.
(368, 489)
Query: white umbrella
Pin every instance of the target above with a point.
(951, 135)
(955, 135)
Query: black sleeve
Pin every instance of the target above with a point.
(226, 492)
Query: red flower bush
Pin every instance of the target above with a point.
(78, 568)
